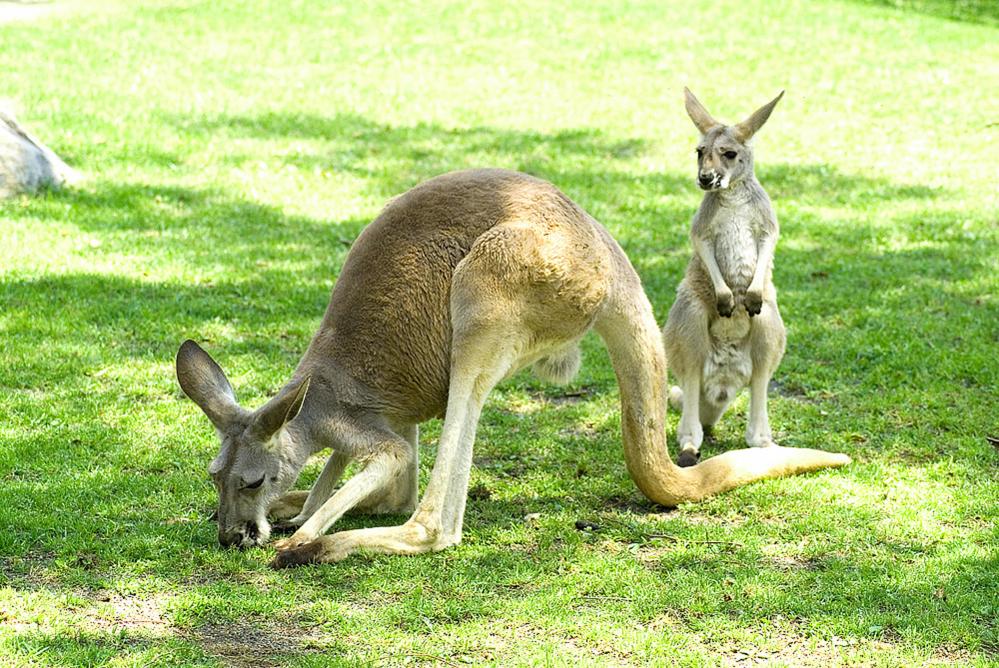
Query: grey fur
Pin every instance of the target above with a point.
(724, 331)
(26, 164)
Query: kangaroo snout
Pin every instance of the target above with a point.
(241, 537)
(707, 180)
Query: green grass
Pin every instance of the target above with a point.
(233, 151)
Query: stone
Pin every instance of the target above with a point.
(26, 164)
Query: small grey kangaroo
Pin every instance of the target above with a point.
(724, 330)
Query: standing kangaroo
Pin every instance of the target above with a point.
(724, 330)
(458, 283)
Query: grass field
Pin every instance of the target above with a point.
(233, 150)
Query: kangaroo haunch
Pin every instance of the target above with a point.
(458, 283)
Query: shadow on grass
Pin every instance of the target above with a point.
(92, 321)
(391, 159)
(234, 645)
(200, 229)
(82, 648)
(985, 12)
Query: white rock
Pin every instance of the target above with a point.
(26, 164)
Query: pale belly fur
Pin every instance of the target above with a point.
(729, 366)
(735, 247)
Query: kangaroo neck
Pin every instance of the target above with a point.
(313, 429)
(737, 195)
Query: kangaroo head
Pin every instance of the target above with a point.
(724, 155)
(258, 461)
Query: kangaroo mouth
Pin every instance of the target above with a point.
(713, 183)
(716, 182)
(251, 534)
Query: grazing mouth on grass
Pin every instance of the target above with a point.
(249, 535)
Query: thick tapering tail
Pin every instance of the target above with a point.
(740, 467)
(629, 329)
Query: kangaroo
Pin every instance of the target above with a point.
(724, 330)
(457, 284)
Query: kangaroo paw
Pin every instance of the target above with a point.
(688, 457)
(309, 553)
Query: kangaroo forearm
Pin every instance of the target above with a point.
(706, 252)
(323, 488)
(764, 260)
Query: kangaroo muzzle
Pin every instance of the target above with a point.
(243, 536)
(711, 180)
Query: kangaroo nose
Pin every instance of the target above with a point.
(230, 538)
(705, 180)
(241, 537)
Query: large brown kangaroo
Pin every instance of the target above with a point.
(458, 283)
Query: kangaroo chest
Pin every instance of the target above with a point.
(734, 230)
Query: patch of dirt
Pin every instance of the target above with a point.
(793, 648)
(248, 645)
(651, 554)
(606, 652)
(108, 613)
(27, 571)
(562, 398)
(787, 562)
(104, 613)
(796, 392)
(584, 651)
(704, 519)
(635, 505)
(131, 613)
(782, 557)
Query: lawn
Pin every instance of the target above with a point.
(233, 150)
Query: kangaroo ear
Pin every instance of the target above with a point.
(748, 128)
(702, 119)
(204, 381)
(282, 409)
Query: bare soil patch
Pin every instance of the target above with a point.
(242, 644)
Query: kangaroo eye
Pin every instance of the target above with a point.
(731, 155)
(255, 484)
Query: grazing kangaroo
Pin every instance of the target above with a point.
(458, 283)
(724, 330)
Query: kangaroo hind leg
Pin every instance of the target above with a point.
(688, 344)
(398, 495)
(767, 340)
